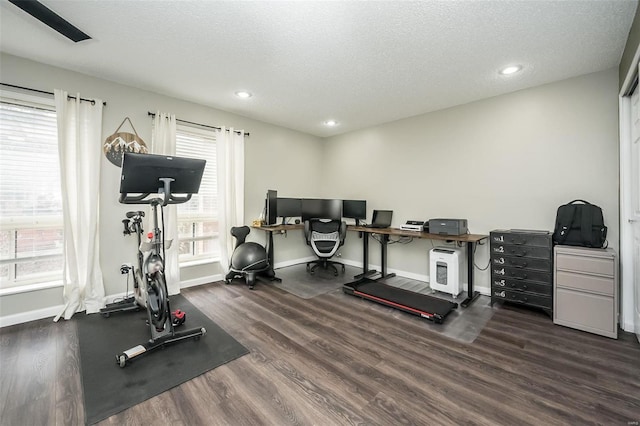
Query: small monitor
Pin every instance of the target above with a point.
(289, 207)
(382, 218)
(316, 208)
(271, 207)
(354, 209)
(141, 173)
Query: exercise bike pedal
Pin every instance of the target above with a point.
(178, 317)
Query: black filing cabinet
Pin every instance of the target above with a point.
(522, 268)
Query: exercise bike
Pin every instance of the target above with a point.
(132, 225)
(160, 319)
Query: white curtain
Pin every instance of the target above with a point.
(230, 188)
(80, 151)
(163, 142)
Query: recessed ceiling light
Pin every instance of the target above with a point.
(512, 69)
(331, 123)
(243, 95)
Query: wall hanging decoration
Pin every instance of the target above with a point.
(120, 142)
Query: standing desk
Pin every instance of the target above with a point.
(385, 233)
(275, 228)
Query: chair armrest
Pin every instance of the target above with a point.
(307, 232)
(343, 232)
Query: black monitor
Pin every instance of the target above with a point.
(289, 207)
(316, 208)
(271, 207)
(354, 209)
(141, 173)
(382, 218)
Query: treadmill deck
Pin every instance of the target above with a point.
(423, 305)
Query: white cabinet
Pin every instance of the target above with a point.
(585, 287)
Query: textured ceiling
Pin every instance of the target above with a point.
(361, 63)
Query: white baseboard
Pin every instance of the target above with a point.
(627, 326)
(202, 280)
(51, 312)
(411, 275)
(294, 262)
(38, 314)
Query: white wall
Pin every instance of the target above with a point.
(275, 158)
(503, 162)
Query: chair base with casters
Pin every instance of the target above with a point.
(326, 264)
(249, 259)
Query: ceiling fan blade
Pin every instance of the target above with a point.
(50, 18)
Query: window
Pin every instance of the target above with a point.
(198, 218)
(31, 226)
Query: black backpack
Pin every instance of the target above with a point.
(580, 225)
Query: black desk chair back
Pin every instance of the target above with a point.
(325, 237)
(248, 258)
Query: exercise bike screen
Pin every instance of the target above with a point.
(141, 173)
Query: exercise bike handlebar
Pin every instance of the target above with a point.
(141, 199)
(126, 231)
(167, 197)
(126, 198)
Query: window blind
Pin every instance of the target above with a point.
(29, 168)
(198, 218)
(30, 195)
(200, 144)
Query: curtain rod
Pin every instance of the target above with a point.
(153, 114)
(48, 93)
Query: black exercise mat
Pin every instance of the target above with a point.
(109, 389)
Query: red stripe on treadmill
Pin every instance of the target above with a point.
(388, 302)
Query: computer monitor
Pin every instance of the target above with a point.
(271, 207)
(382, 218)
(289, 207)
(317, 208)
(354, 209)
(141, 173)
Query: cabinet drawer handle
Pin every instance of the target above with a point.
(519, 254)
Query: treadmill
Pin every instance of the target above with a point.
(422, 305)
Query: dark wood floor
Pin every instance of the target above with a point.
(336, 360)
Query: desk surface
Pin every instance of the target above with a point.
(277, 228)
(467, 238)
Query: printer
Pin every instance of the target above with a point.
(413, 225)
(448, 226)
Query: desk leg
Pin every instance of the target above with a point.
(383, 254)
(270, 254)
(365, 257)
(471, 295)
(271, 274)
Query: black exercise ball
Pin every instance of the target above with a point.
(249, 257)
